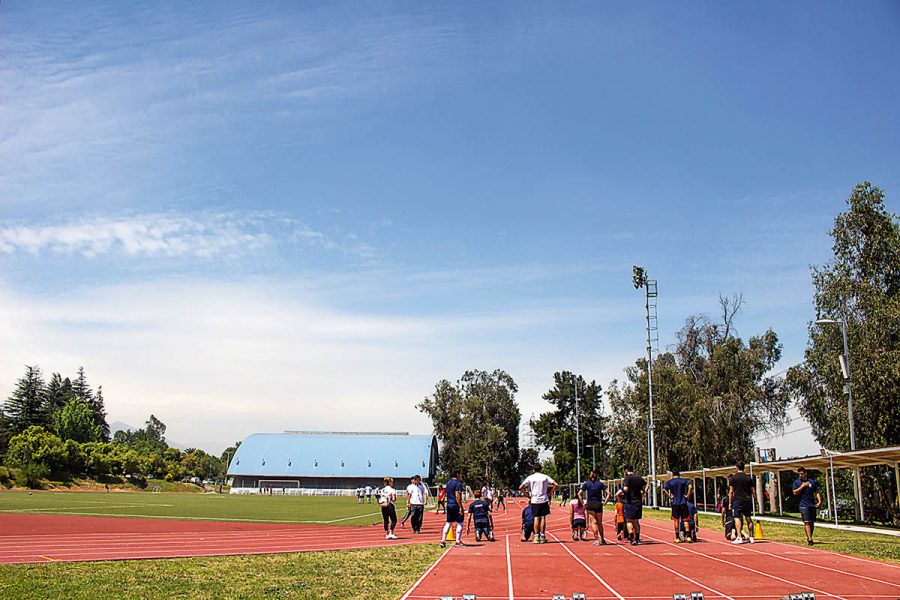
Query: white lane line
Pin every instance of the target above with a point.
(750, 548)
(590, 570)
(426, 573)
(740, 566)
(674, 572)
(509, 571)
(218, 519)
(45, 510)
(343, 519)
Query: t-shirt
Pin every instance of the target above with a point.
(635, 485)
(415, 492)
(538, 485)
(679, 487)
(527, 518)
(808, 495)
(480, 509)
(387, 496)
(577, 510)
(487, 493)
(453, 486)
(692, 509)
(743, 487)
(593, 490)
(368, 490)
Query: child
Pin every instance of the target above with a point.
(691, 522)
(527, 523)
(441, 500)
(480, 512)
(578, 519)
(621, 532)
(727, 519)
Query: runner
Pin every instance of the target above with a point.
(386, 499)
(541, 488)
(634, 488)
(810, 501)
(416, 497)
(441, 500)
(480, 512)
(455, 509)
(679, 490)
(740, 490)
(727, 518)
(594, 494)
(564, 496)
(577, 518)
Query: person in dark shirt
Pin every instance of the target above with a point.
(632, 493)
(527, 523)
(455, 509)
(810, 501)
(594, 495)
(727, 518)
(679, 490)
(740, 496)
(564, 496)
(480, 512)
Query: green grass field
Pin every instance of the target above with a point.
(373, 574)
(206, 507)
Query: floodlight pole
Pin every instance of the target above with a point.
(641, 280)
(577, 433)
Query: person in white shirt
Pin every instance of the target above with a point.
(369, 494)
(416, 495)
(386, 498)
(540, 487)
(487, 493)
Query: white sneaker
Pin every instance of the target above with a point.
(737, 541)
(752, 540)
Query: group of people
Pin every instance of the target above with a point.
(586, 508)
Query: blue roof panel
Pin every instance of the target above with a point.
(333, 455)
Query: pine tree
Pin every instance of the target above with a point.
(27, 404)
(83, 391)
(59, 392)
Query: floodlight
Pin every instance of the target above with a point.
(639, 276)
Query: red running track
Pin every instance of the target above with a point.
(655, 570)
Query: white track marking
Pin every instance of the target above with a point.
(590, 570)
(425, 574)
(674, 572)
(509, 570)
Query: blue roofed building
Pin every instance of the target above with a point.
(329, 462)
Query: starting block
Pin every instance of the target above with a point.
(558, 597)
(468, 597)
(696, 595)
(679, 596)
(691, 596)
(577, 596)
(800, 596)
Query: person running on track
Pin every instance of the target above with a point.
(679, 490)
(386, 498)
(594, 494)
(540, 488)
(456, 511)
(564, 496)
(501, 499)
(577, 519)
(416, 497)
(634, 488)
(527, 523)
(480, 512)
(810, 501)
(740, 489)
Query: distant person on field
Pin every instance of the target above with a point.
(441, 500)
(540, 487)
(408, 514)
(386, 498)
(578, 519)
(594, 494)
(416, 497)
(679, 490)
(740, 496)
(501, 499)
(360, 493)
(527, 523)
(810, 501)
(564, 496)
(480, 512)
(487, 493)
(633, 491)
(455, 509)
(369, 494)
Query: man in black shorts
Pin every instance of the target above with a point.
(679, 490)
(810, 501)
(594, 495)
(740, 495)
(456, 511)
(632, 493)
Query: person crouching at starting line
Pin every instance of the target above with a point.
(578, 519)
(527, 523)
(480, 512)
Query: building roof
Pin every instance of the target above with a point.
(332, 454)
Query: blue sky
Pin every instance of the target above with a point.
(266, 216)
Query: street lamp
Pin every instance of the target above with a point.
(848, 389)
(593, 457)
(640, 280)
(577, 433)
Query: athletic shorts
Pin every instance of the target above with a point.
(454, 515)
(579, 523)
(633, 510)
(482, 527)
(540, 510)
(729, 529)
(680, 512)
(740, 509)
(808, 514)
(594, 506)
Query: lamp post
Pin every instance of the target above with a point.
(593, 457)
(848, 389)
(640, 281)
(577, 433)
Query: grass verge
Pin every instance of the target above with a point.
(376, 573)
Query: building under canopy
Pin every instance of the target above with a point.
(329, 462)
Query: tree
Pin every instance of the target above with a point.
(26, 406)
(37, 452)
(477, 423)
(862, 285)
(713, 387)
(555, 430)
(75, 421)
(59, 391)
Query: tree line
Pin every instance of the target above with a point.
(714, 391)
(58, 428)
